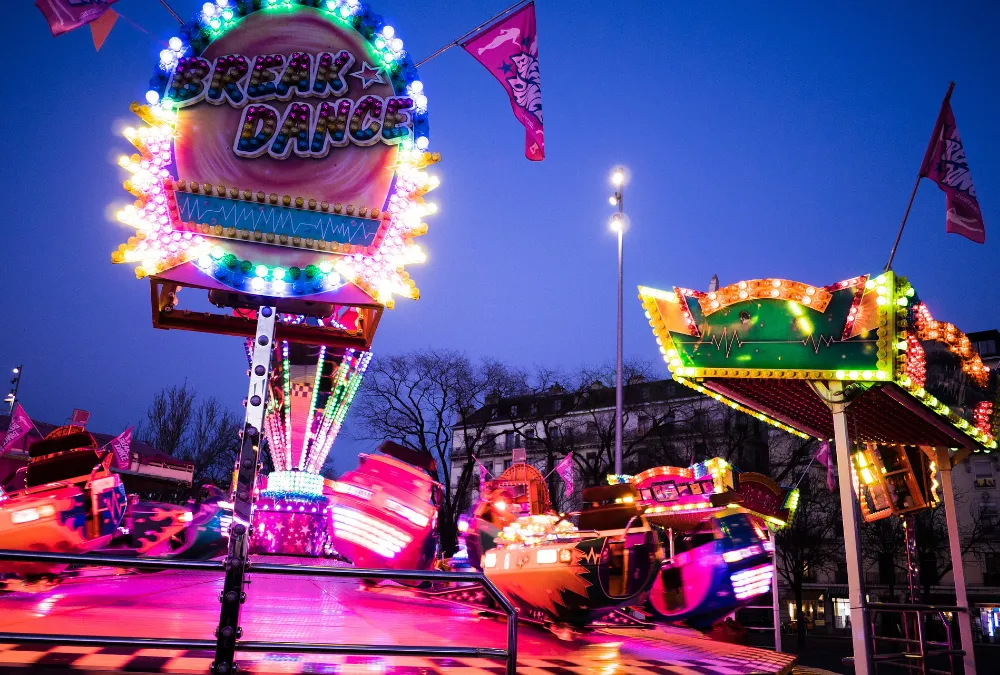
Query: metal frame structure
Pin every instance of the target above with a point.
(915, 650)
(163, 297)
(236, 645)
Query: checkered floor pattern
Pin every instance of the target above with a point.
(42, 659)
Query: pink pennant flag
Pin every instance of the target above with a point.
(20, 425)
(65, 15)
(565, 470)
(824, 457)
(509, 50)
(483, 473)
(101, 28)
(946, 165)
(121, 447)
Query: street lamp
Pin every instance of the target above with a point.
(618, 225)
(11, 398)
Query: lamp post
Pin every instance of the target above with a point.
(11, 398)
(618, 225)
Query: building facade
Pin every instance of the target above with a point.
(664, 424)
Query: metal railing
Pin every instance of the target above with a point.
(509, 654)
(914, 650)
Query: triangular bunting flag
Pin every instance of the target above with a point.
(101, 27)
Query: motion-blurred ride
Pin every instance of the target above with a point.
(71, 502)
(683, 545)
(564, 573)
(195, 527)
(384, 513)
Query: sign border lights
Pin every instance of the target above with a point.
(373, 260)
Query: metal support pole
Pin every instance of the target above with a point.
(16, 381)
(957, 569)
(775, 602)
(233, 594)
(912, 564)
(619, 422)
(852, 544)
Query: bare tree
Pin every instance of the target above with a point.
(168, 419)
(417, 399)
(203, 432)
(811, 543)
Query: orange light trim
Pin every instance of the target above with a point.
(680, 471)
(816, 297)
(958, 343)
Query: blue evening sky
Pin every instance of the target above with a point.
(764, 139)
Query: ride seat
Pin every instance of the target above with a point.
(78, 464)
(601, 518)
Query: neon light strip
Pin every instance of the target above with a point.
(310, 434)
(338, 406)
(286, 384)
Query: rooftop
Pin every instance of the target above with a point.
(146, 452)
(557, 401)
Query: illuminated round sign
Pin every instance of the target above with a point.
(285, 152)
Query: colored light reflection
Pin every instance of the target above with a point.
(290, 525)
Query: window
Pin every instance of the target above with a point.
(988, 516)
(645, 424)
(982, 470)
(591, 428)
(507, 463)
(493, 413)
(533, 410)
(557, 405)
(841, 612)
(555, 433)
(991, 569)
(986, 347)
(510, 440)
(513, 411)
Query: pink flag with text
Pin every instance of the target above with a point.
(20, 425)
(565, 470)
(121, 448)
(509, 50)
(824, 457)
(65, 15)
(945, 164)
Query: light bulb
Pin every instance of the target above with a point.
(613, 200)
(618, 177)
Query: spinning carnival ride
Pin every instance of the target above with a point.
(71, 501)
(311, 390)
(680, 544)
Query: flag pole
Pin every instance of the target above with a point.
(472, 32)
(172, 12)
(916, 185)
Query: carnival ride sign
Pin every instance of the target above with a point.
(284, 155)
(765, 343)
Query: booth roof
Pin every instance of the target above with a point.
(147, 452)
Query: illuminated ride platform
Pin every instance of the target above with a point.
(302, 609)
